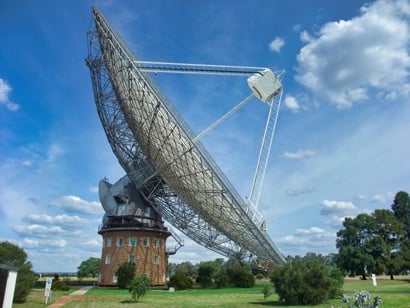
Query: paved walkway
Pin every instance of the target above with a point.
(66, 298)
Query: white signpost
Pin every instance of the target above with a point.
(374, 280)
(47, 291)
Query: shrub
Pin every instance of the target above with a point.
(59, 285)
(125, 273)
(362, 299)
(243, 279)
(306, 281)
(221, 279)
(206, 272)
(138, 286)
(266, 292)
(180, 282)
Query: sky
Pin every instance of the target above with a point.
(341, 146)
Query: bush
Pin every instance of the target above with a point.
(221, 279)
(25, 281)
(306, 281)
(59, 285)
(206, 273)
(180, 282)
(243, 279)
(138, 286)
(125, 273)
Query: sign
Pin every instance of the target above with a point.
(47, 291)
(374, 280)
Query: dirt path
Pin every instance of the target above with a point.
(66, 298)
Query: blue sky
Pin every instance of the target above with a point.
(341, 146)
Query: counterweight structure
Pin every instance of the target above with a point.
(169, 167)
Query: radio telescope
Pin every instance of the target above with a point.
(165, 162)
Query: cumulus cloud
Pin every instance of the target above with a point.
(386, 198)
(337, 208)
(76, 204)
(311, 230)
(29, 243)
(313, 239)
(5, 90)
(345, 60)
(276, 44)
(300, 154)
(38, 230)
(65, 221)
(292, 103)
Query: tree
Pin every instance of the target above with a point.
(14, 256)
(306, 281)
(89, 268)
(370, 244)
(401, 210)
(138, 286)
(206, 273)
(125, 274)
(180, 282)
(388, 231)
(187, 269)
(354, 245)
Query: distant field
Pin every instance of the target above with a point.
(394, 293)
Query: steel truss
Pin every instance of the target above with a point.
(155, 147)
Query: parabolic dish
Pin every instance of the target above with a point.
(155, 147)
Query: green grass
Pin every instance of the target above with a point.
(36, 298)
(394, 293)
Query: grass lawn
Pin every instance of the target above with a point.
(394, 293)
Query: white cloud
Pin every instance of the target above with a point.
(292, 103)
(29, 243)
(27, 163)
(38, 230)
(311, 230)
(5, 90)
(386, 198)
(345, 60)
(68, 222)
(313, 239)
(337, 208)
(300, 154)
(53, 152)
(276, 44)
(76, 204)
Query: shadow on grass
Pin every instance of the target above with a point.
(129, 301)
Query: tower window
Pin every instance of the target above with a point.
(107, 259)
(131, 258)
(132, 241)
(120, 241)
(145, 242)
(157, 243)
(109, 242)
(156, 260)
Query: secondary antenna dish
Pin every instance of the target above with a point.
(163, 158)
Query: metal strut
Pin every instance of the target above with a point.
(190, 68)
